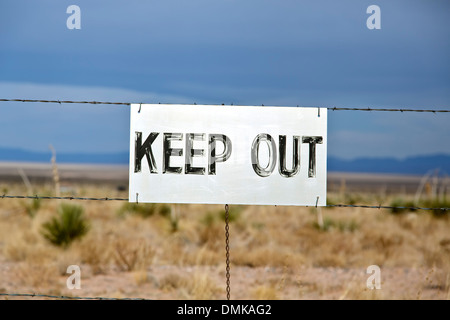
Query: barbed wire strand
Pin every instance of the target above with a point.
(4, 196)
(62, 198)
(386, 109)
(65, 101)
(329, 108)
(383, 207)
(36, 295)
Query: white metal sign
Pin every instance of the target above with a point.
(228, 154)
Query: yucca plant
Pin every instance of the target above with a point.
(70, 224)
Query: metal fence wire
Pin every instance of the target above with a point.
(329, 108)
(37, 197)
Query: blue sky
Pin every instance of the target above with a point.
(289, 53)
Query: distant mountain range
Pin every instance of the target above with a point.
(412, 165)
(11, 155)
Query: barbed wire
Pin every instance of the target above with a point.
(65, 101)
(37, 197)
(384, 207)
(36, 295)
(386, 109)
(62, 198)
(329, 108)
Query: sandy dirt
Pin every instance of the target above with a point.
(245, 283)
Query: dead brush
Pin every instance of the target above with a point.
(96, 252)
(131, 255)
(172, 281)
(265, 292)
(37, 276)
(201, 287)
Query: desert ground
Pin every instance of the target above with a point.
(177, 251)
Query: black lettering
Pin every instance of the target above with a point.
(295, 157)
(312, 154)
(191, 152)
(213, 158)
(260, 171)
(144, 149)
(169, 151)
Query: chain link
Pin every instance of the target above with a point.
(227, 249)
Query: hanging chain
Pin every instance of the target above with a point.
(227, 249)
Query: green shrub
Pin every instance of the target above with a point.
(209, 219)
(69, 225)
(214, 217)
(331, 202)
(437, 203)
(328, 224)
(144, 209)
(401, 206)
(347, 226)
(342, 225)
(234, 212)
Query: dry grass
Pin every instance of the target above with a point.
(273, 249)
(265, 292)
